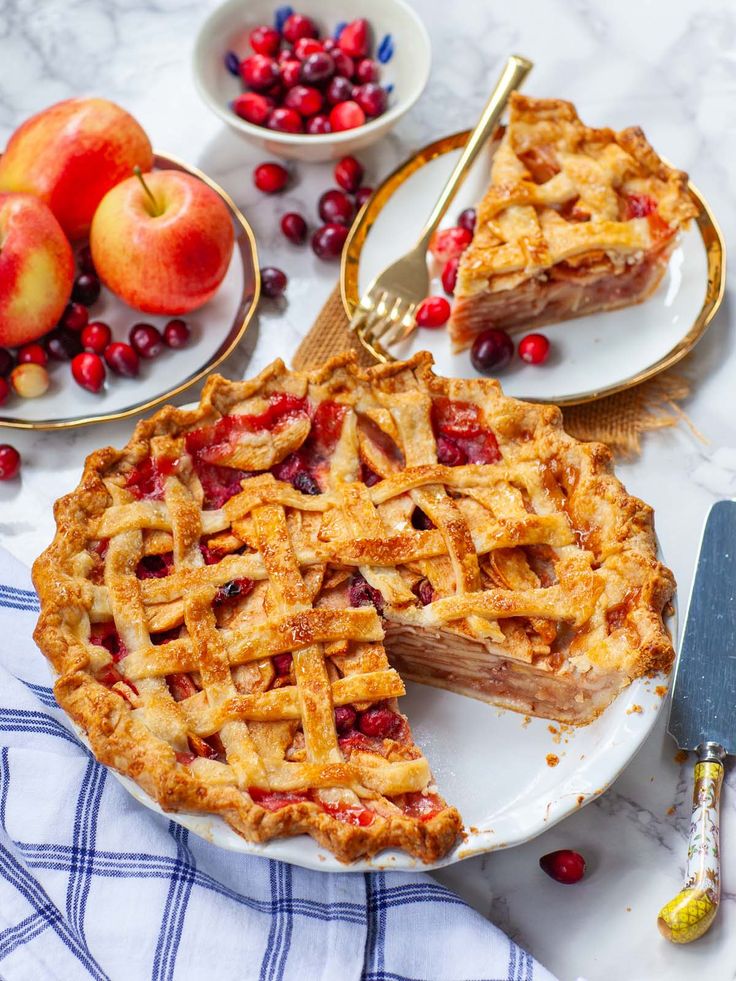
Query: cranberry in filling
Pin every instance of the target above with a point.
(461, 435)
(305, 483)
(272, 800)
(638, 206)
(219, 484)
(155, 566)
(282, 664)
(421, 521)
(361, 593)
(302, 468)
(359, 816)
(147, 480)
(380, 721)
(181, 686)
(110, 676)
(186, 758)
(422, 806)
(368, 476)
(164, 636)
(210, 748)
(345, 716)
(423, 591)
(235, 589)
(105, 635)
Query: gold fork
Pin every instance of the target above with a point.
(386, 312)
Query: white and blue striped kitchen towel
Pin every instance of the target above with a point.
(92, 885)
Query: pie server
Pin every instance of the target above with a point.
(703, 718)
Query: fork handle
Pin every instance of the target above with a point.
(513, 74)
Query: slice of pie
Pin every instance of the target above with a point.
(231, 601)
(575, 220)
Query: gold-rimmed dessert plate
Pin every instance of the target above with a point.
(591, 356)
(216, 329)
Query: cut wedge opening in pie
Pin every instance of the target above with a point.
(232, 601)
(575, 220)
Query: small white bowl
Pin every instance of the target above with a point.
(407, 68)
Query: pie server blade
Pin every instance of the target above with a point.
(703, 718)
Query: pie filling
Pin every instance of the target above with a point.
(239, 585)
(575, 220)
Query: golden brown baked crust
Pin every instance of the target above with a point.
(183, 570)
(570, 216)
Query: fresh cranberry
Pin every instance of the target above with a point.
(259, 72)
(291, 72)
(362, 195)
(62, 345)
(253, 107)
(366, 71)
(423, 591)
(296, 26)
(339, 90)
(122, 359)
(74, 317)
(318, 67)
(344, 64)
(270, 177)
(446, 243)
(534, 348)
(306, 100)
(88, 371)
(361, 593)
(33, 354)
(232, 63)
(282, 664)
(449, 274)
(371, 98)
(294, 227)
(9, 461)
(330, 44)
(306, 46)
(146, 340)
(433, 312)
(305, 483)
(285, 54)
(85, 262)
(7, 362)
(449, 454)
(336, 206)
(285, 120)
(345, 716)
(466, 219)
(346, 115)
(273, 282)
(353, 39)
(492, 349)
(176, 334)
(265, 40)
(380, 722)
(349, 173)
(4, 390)
(563, 866)
(319, 124)
(328, 240)
(96, 337)
(86, 289)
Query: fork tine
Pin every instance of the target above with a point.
(403, 327)
(386, 314)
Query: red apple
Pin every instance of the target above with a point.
(36, 269)
(71, 154)
(163, 244)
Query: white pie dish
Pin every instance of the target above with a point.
(591, 356)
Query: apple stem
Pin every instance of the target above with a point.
(139, 174)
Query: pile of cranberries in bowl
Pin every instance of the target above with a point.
(86, 343)
(298, 82)
(493, 349)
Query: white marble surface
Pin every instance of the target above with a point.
(669, 67)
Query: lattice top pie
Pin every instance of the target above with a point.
(218, 594)
(575, 220)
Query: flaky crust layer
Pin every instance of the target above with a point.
(616, 527)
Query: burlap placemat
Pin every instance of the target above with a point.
(618, 420)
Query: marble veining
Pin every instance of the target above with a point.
(668, 67)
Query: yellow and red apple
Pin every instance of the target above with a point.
(162, 244)
(36, 269)
(71, 154)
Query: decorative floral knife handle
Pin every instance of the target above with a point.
(690, 914)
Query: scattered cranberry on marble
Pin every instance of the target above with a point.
(446, 243)
(176, 333)
(336, 206)
(9, 461)
(492, 349)
(270, 177)
(466, 219)
(534, 348)
(88, 370)
(564, 866)
(362, 195)
(349, 174)
(433, 312)
(294, 227)
(273, 282)
(449, 274)
(328, 240)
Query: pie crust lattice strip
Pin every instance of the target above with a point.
(218, 594)
(575, 220)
